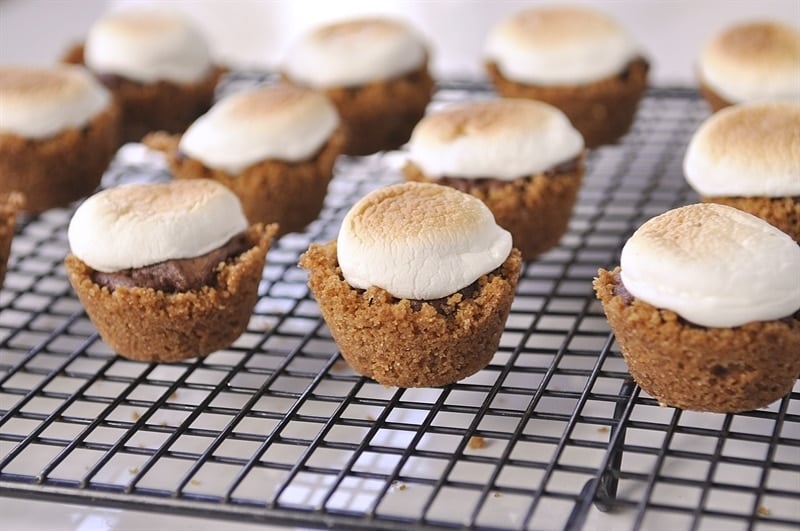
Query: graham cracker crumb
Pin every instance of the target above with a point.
(398, 485)
(194, 482)
(173, 395)
(477, 442)
(136, 416)
(496, 494)
(763, 511)
(603, 429)
(133, 470)
(370, 418)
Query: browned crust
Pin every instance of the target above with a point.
(723, 370)
(602, 111)
(160, 106)
(535, 209)
(10, 204)
(385, 339)
(290, 194)
(148, 325)
(782, 212)
(381, 115)
(55, 171)
(714, 100)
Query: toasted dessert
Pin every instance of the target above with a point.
(59, 130)
(274, 147)
(9, 206)
(418, 285)
(702, 321)
(574, 58)
(166, 271)
(521, 157)
(751, 61)
(156, 64)
(375, 70)
(746, 156)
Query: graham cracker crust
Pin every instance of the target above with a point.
(782, 212)
(390, 341)
(9, 206)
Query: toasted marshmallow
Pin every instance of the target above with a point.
(713, 265)
(501, 139)
(147, 46)
(38, 103)
(419, 241)
(143, 224)
(278, 122)
(747, 150)
(753, 61)
(559, 46)
(353, 53)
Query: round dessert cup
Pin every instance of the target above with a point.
(10, 204)
(407, 343)
(148, 325)
(535, 209)
(382, 114)
(602, 111)
(723, 370)
(290, 194)
(781, 212)
(161, 106)
(55, 171)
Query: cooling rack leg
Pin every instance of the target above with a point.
(606, 493)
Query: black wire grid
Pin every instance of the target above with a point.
(277, 428)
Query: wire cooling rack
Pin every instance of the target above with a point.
(277, 428)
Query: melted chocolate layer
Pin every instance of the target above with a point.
(487, 183)
(171, 276)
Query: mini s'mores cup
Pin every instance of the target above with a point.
(702, 321)
(751, 61)
(59, 129)
(574, 58)
(166, 271)
(748, 156)
(418, 285)
(375, 70)
(273, 146)
(157, 65)
(521, 157)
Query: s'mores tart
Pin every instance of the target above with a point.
(418, 285)
(375, 70)
(273, 146)
(166, 271)
(59, 129)
(748, 156)
(751, 61)
(521, 157)
(157, 65)
(9, 206)
(706, 309)
(575, 58)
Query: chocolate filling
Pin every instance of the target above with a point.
(485, 184)
(440, 304)
(183, 274)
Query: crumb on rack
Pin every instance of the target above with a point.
(194, 482)
(763, 511)
(136, 416)
(370, 418)
(133, 470)
(173, 395)
(477, 442)
(339, 366)
(603, 429)
(496, 494)
(398, 485)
